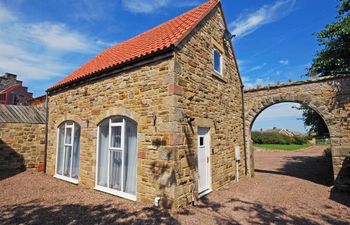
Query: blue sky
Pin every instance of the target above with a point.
(282, 115)
(43, 41)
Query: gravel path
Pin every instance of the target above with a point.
(289, 188)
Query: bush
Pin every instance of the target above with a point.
(273, 138)
(300, 140)
(276, 138)
(257, 137)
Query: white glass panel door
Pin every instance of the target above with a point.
(75, 155)
(68, 152)
(103, 155)
(130, 157)
(67, 161)
(117, 154)
(116, 170)
(68, 145)
(60, 151)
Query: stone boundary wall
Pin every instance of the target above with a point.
(22, 136)
(296, 83)
(21, 145)
(328, 96)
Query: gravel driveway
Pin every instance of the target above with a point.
(289, 188)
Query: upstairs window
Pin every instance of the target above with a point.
(217, 62)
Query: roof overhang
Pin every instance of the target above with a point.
(113, 71)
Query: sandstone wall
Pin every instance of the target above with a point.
(329, 97)
(158, 97)
(143, 94)
(21, 144)
(213, 101)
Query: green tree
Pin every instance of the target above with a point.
(334, 58)
(315, 121)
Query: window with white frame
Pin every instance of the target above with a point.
(68, 151)
(117, 157)
(217, 61)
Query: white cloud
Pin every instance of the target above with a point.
(255, 68)
(144, 6)
(94, 10)
(284, 62)
(105, 43)
(187, 3)
(28, 64)
(150, 6)
(38, 51)
(241, 62)
(249, 83)
(6, 15)
(32, 69)
(282, 115)
(260, 82)
(250, 22)
(281, 110)
(59, 37)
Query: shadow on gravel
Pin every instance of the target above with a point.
(4, 174)
(341, 197)
(35, 213)
(267, 214)
(317, 169)
(225, 213)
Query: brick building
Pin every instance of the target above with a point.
(158, 115)
(12, 92)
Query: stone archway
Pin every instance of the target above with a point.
(328, 96)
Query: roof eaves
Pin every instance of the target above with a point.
(120, 66)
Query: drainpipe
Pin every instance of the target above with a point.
(46, 129)
(247, 157)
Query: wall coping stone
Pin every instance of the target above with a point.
(297, 83)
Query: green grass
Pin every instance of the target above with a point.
(291, 147)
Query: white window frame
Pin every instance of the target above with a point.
(59, 176)
(122, 133)
(220, 54)
(111, 149)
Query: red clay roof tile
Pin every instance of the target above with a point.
(168, 34)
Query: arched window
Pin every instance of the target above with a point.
(117, 157)
(68, 150)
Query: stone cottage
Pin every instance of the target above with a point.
(157, 117)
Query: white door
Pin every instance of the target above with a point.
(203, 161)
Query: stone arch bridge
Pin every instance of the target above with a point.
(328, 96)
